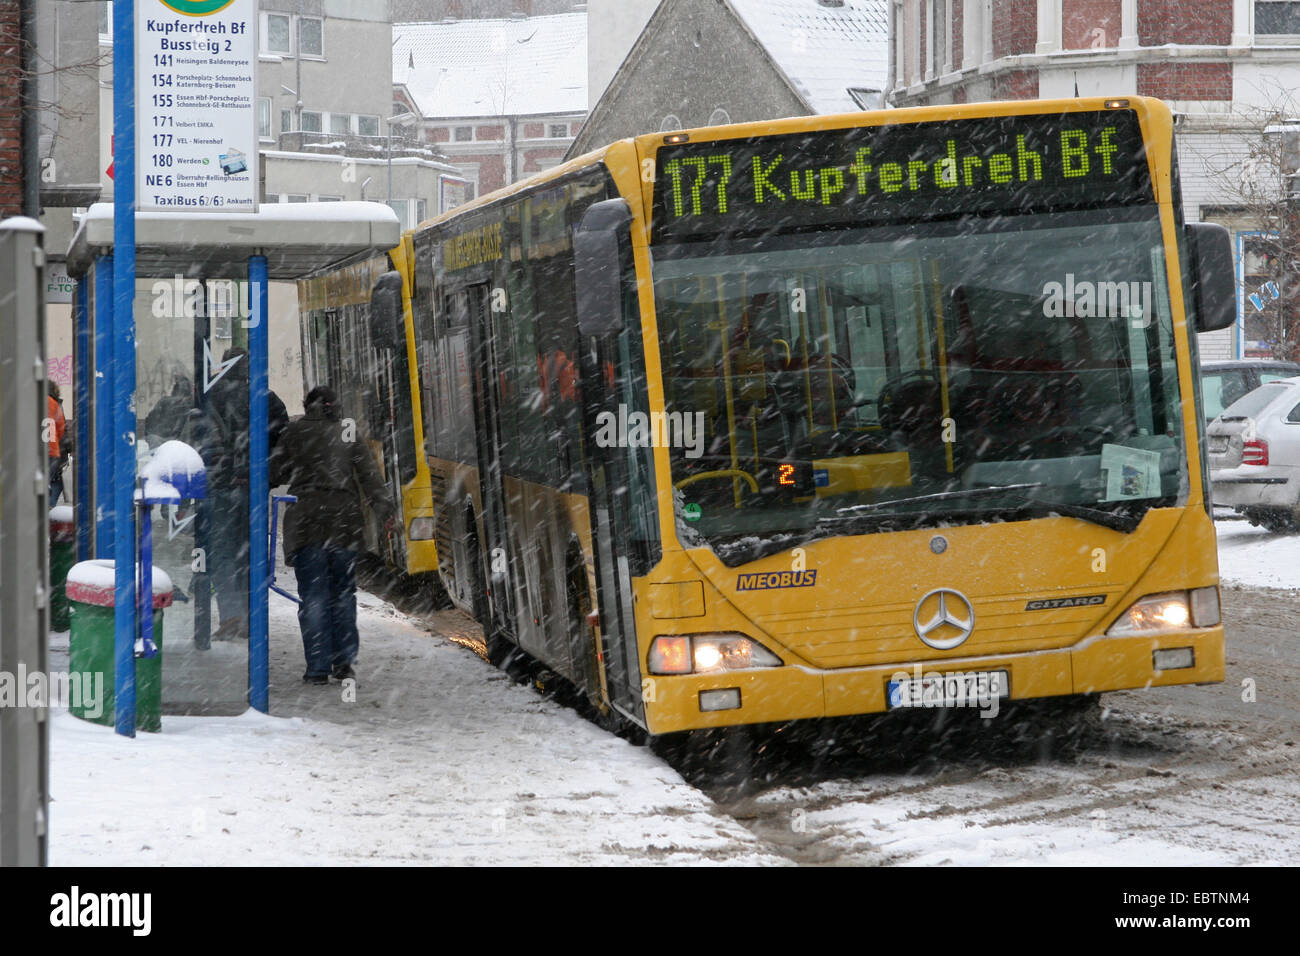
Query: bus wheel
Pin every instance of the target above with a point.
(498, 647)
(582, 639)
(1072, 722)
(1277, 520)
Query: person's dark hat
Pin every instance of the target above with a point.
(324, 398)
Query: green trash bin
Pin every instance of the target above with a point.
(63, 555)
(91, 591)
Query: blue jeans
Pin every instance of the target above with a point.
(56, 481)
(327, 617)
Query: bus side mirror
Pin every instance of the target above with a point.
(387, 329)
(1214, 287)
(597, 271)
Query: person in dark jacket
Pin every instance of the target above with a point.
(223, 443)
(327, 467)
(168, 418)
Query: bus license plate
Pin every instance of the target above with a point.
(1218, 444)
(950, 690)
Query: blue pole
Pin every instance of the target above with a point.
(259, 488)
(123, 415)
(81, 408)
(145, 579)
(103, 373)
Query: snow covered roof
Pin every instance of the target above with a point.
(296, 238)
(824, 51)
(517, 67)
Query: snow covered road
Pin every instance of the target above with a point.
(442, 759)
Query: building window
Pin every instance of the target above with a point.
(340, 124)
(311, 36)
(276, 37)
(559, 131)
(279, 30)
(286, 121)
(866, 98)
(263, 117)
(1277, 18)
(421, 211)
(329, 198)
(936, 47)
(311, 121)
(1262, 316)
(463, 134)
(402, 208)
(367, 125)
(296, 197)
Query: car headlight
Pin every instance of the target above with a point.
(1172, 611)
(708, 653)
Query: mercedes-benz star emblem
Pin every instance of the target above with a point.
(948, 619)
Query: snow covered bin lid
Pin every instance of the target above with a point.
(63, 524)
(95, 582)
(175, 471)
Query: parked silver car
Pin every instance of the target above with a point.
(1254, 452)
(1222, 383)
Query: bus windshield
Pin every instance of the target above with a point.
(874, 379)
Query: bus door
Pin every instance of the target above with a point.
(391, 420)
(487, 413)
(605, 362)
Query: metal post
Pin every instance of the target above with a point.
(259, 487)
(83, 453)
(123, 414)
(24, 543)
(144, 580)
(102, 460)
(201, 589)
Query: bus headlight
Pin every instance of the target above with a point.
(420, 529)
(708, 653)
(1155, 612)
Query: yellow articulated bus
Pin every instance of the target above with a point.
(824, 416)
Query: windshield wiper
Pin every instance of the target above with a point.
(1125, 521)
(853, 510)
(1118, 521)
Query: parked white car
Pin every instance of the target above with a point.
(1254, 452)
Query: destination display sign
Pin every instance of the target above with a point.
(899, 173)
(196, 105)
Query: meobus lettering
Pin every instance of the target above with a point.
(765, 580)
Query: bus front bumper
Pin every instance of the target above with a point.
(779, 694)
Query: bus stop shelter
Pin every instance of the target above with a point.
(217, 399)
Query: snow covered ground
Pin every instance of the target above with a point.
(442, 759)
(1257, 558)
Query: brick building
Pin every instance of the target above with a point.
(11, 111)
(500, 98)
(1229, 70)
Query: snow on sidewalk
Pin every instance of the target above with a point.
(1257, 558)
(441, 759)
